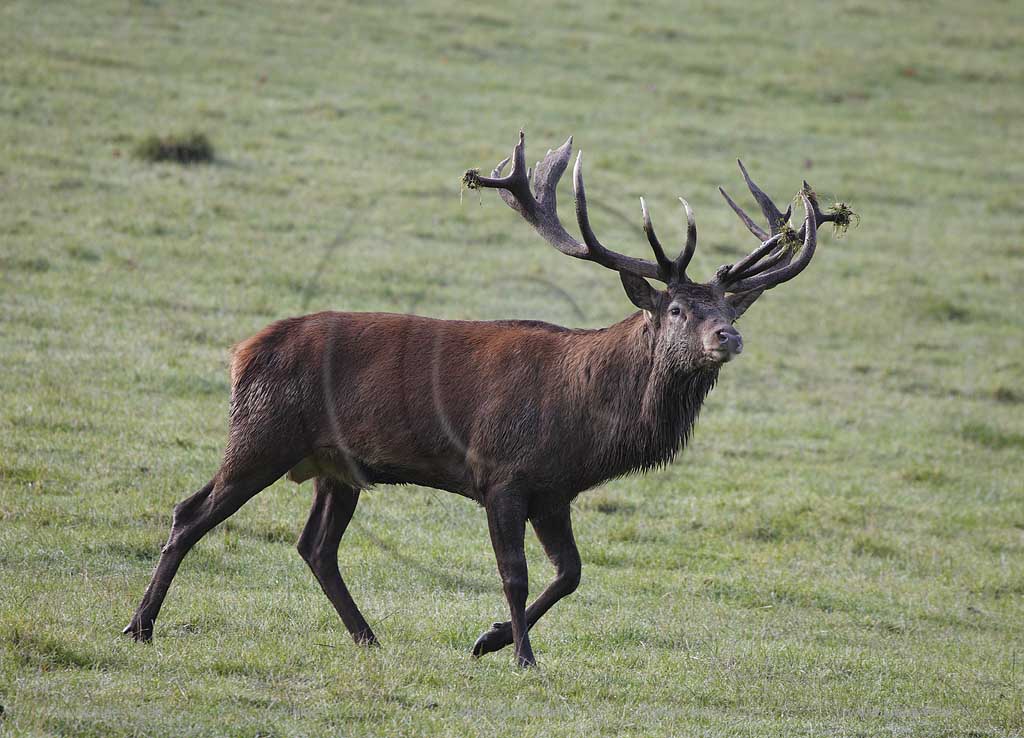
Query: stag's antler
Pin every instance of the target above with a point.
(748, 275)
(769, 264)
(539, 210)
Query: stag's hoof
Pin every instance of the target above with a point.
(526, 661)
(499, 636)
(366, 638)
(138, 632)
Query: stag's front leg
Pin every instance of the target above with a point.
(555, 534)
(506, 519)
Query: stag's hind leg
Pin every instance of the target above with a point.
(333, 506)
(555, 534)
(193, 518)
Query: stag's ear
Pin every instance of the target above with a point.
(742, 301)
(639, 292)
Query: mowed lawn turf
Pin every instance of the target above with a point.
(840, 550)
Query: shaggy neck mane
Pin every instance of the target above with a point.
(638, 409)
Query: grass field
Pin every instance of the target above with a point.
(840, 551)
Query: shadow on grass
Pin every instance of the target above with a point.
(48, 652)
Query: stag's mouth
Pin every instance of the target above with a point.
(720, 356)
(726, 352)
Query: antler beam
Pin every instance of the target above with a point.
(538, 208)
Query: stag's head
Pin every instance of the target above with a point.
(692, 322)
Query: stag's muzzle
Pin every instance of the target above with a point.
(724, 344)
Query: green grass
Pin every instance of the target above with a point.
(839, 552)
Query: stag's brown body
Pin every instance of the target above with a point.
(461, 405)
(520, 416)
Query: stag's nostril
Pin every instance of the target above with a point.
(730, 339)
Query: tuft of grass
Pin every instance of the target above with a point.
(776, 526)
(925, 475)
(37, 264)
(944, 309)
(82, 253)
(994, 438)
(607, 504)
(873, 545)
(192, 147)
(1007, 395)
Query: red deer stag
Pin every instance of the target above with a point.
(520, 416)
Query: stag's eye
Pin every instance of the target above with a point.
(674, 310)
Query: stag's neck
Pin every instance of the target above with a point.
(641, 409)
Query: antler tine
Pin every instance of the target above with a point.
(768, 279)
(672, 270)
(600, 254)
(683, 260)
(664, 263)
(496, 172)
(548, 172)
(776, 218)
(597, 250)
(753, 227)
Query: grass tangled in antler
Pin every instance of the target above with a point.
(843, 217)
(471, 179)
(789, 240)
